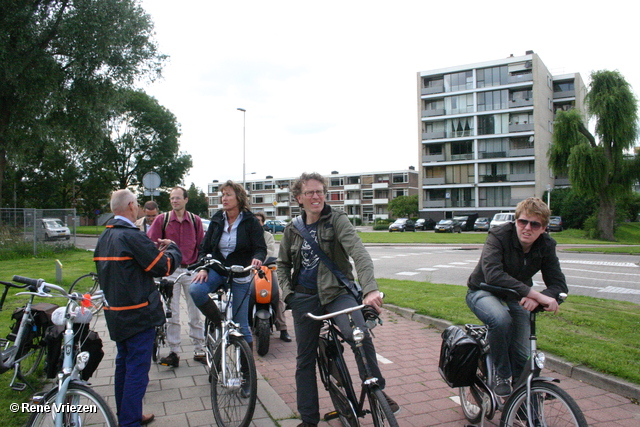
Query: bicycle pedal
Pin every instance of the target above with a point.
(331, 415)
(19, 386)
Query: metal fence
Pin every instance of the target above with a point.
(37, 227)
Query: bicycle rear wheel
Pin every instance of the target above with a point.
(230, 406)
(88, 284)
(551, 406)
(98, 412)
(380, 410)
(338, 379)
(471, 400)
(31, 352)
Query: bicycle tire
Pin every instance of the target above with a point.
(230, 409)
(339, 377)
(380, 410)
(88, 284)
(552, 406)
(159, 341)
(31, 352)
(78, 394)
(471, 400)
(263, 336)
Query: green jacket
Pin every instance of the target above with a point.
(339, 240)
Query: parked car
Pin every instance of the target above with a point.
(55, 229)
(274, 225)
(555, 224)
(501, 218)
(448, 226)
(481, 224)
(466, 221)
(402, 224)
(425, 224)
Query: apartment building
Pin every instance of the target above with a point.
(484, 132)
(361, 195)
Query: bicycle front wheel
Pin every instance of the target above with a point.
(338, 381)
(380, 409)
(88, 284)
(233, 386)
(97, 412)
(550, 406)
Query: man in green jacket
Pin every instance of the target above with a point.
(310, 287)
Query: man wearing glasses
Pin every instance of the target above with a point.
(308, 285)
(512, 255)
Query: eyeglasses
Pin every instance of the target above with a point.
(310, 194)
(522, 223)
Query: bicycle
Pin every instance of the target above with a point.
(71, 402)
(88, 284)
(165, 288)
(230, 362)
(534, 401)
(23, 349)
(335, 376)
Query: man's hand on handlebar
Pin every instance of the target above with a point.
(256, 263)
(374, 299)
(535, 298)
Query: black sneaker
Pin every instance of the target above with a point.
(503, 386)
(306, 424)
(395, 408)
(284, 336)
(171, 360)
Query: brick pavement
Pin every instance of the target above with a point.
(410, 350)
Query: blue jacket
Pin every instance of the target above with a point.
(126, 262)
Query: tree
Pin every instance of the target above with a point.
(599, 168)
(198, 202)
(404, 206)
(60, 60)
(141, 136)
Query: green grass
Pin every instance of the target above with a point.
(598, 333)
(90, 229)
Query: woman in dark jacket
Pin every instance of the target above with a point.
(234, 237)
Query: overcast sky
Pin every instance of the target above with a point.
(331, 85)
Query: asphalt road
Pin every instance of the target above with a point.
(597, 275)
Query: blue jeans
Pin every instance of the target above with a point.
(509, 331)
(133, 362)
(240, 294)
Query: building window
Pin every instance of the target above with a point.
(257, 186)
(399, 192)
(367, 194)
(493, 100)
(336, 181)
(335, 195)
(495, 196)
(495, 76)
(563, 86)
(432, 149)
(493, 124)
(461, 150)
(400, 178)
(458, 81)
(493, 148)
(462, 126)
(459, 104)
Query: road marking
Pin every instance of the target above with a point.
(407, 273)
(613, 264)
(604, 272)
(617, 290)
(459, 263)
(443, 266)
(383, 360)
(427, 269)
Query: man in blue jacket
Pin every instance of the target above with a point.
(127, 261)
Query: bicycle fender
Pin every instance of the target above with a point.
(263, 314)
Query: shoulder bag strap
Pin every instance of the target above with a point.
(297, 222)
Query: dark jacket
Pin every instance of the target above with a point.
(127, 261)
(504, 263)
(338, 238)
(250, 242)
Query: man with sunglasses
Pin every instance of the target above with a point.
(512, 255)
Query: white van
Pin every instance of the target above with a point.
(501, 218)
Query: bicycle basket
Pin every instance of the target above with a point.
(459, 356)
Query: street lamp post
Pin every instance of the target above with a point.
(244, 122)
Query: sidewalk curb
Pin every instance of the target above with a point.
(554, 363)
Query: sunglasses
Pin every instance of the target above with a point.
(522, 223)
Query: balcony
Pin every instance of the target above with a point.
(520, 127)
(515, 103)
(564, 94)
(433, 203)
(283, 204)
(352, 202)
(433, 181)
(521, 152)
(352, 187)
(517, 177)
(433, 113)
(282, 190)
(466, 156)
(519, 78)
(380, 201)
(432, 89)
(493, 155)
(433, 158)
(493, 178)
(376, 185)
(434, 135)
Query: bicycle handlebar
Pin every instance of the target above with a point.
(43, 289)
(337, 313)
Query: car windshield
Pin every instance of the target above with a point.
(445, 221)
(400, 221)
(482, 219)
(53, 223)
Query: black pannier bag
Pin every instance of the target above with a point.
(41, 313)
(90, 341)
(458, 357)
